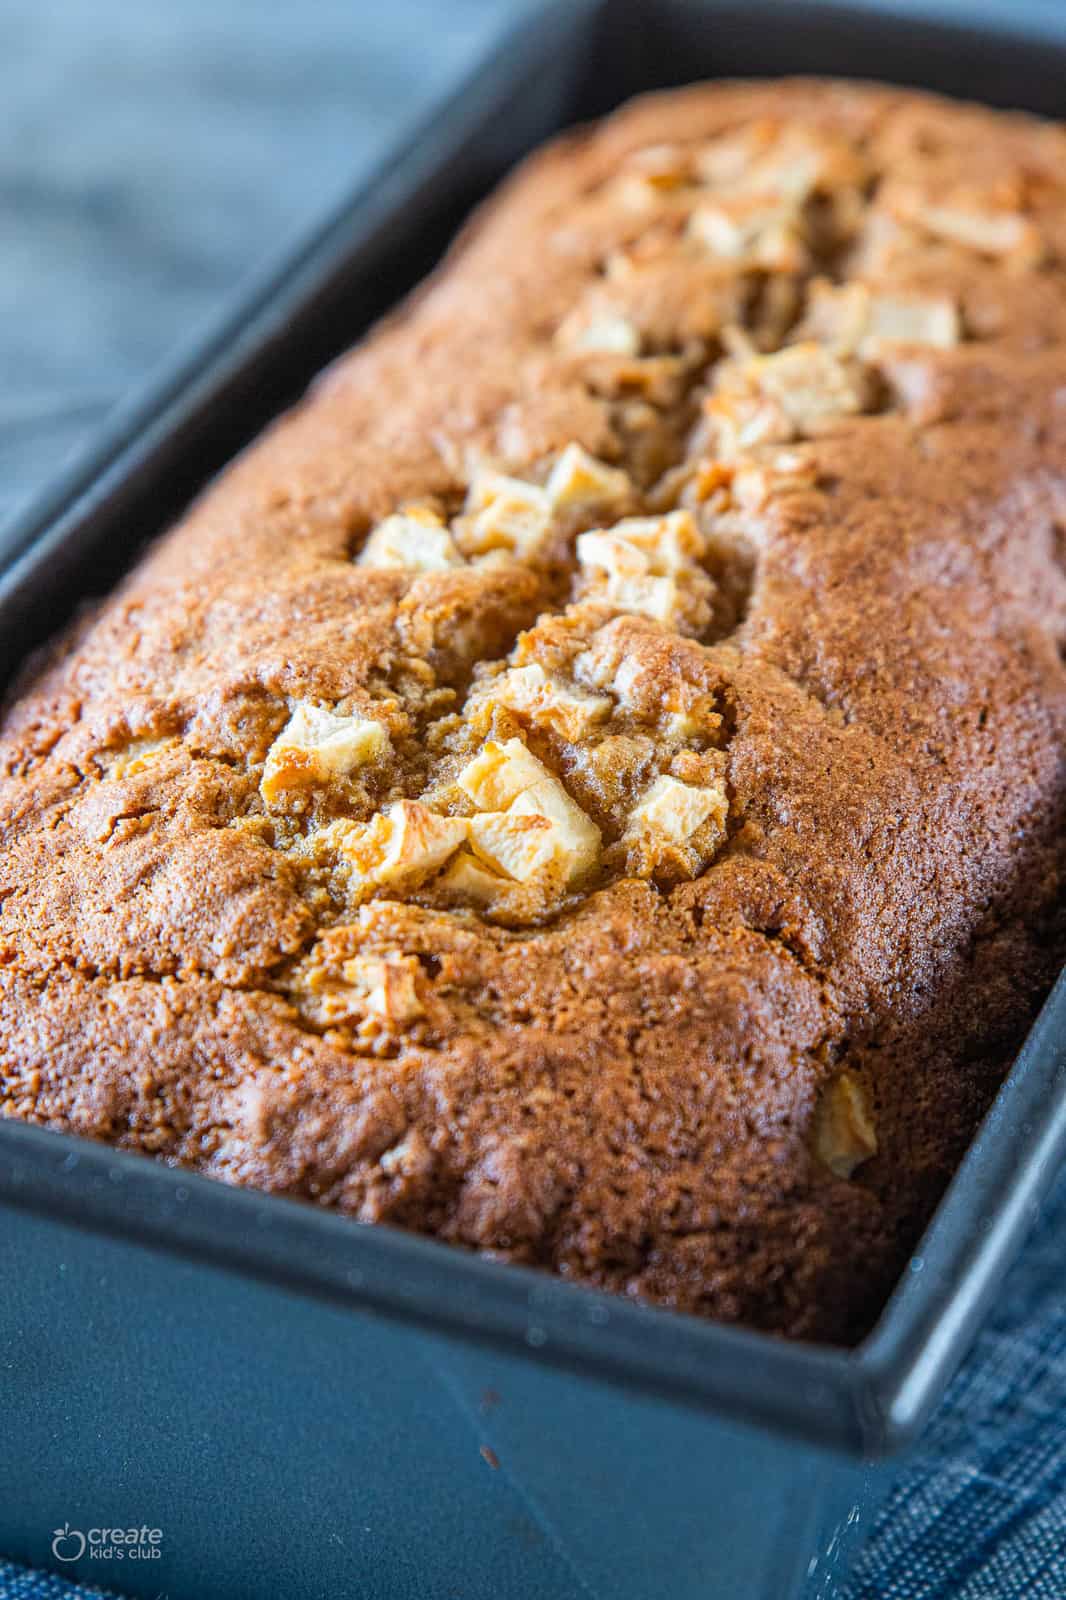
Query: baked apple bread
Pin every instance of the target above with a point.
(588, 784)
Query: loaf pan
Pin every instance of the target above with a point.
(300, 1406)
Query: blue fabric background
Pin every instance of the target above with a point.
(151, 157)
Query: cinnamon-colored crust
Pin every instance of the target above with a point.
(733, 1073)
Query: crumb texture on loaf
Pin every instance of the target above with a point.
(588, 784)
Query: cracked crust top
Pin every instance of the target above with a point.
(588, 783)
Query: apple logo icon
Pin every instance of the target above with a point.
(67, 1543)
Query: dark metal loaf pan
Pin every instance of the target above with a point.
(305, 1407)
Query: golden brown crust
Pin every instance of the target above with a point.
(588, 783)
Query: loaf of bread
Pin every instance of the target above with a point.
(588, 785)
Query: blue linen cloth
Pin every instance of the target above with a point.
(151, 156)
